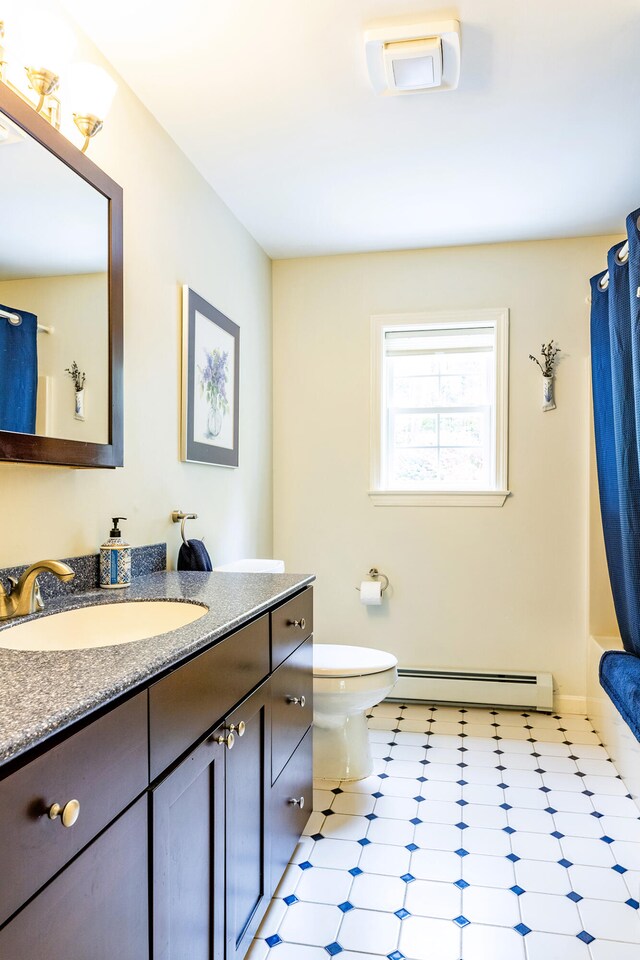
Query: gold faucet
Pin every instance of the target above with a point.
(24, 594)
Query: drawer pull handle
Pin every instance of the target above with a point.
(68, 814)
(227, 741)
(240, 729)
(297, 802)
(300, 701)
(302, 623)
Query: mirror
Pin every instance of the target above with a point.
(60, 297)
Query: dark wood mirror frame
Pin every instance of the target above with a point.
(29, 448)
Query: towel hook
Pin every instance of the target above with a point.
(177, 516)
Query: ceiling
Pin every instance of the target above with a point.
(272, 103)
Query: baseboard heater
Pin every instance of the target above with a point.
(482, 688)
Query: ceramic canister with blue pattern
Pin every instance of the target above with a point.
(115, 560)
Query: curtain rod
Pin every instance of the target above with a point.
(15, 320)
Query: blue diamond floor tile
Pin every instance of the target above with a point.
(291, 899)
(585, 937)
(273, 941)
(402, 914)
(517, 890)
(461, 884)
(407, 877)
(574, 896)
(461, 921)
(355, 871)
(522, 929)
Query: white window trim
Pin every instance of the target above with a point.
(380, 323)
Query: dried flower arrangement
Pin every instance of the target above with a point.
(77, 375)
(549, 353)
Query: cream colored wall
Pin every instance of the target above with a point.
(76, 309)
(475, 587)
(176, 230)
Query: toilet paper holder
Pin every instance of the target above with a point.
(374, 573)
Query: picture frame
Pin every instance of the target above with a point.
(210, 383)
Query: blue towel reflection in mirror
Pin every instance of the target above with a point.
(18, 371)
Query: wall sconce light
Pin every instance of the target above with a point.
(88, 90)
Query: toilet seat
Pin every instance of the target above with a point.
(337, 660)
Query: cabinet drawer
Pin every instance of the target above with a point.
(192, 699)
(291, 682)
(291, 623)
(288, 820)
(103, 766)
(97, 908)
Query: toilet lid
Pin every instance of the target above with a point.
(336, 660)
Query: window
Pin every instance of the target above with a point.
(439, 425)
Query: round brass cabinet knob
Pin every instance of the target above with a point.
(297, 802)
(227, 741)
(298, 623)
(240, 729)
(300, 701)
(68, 814)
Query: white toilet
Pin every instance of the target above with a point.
(347, 681)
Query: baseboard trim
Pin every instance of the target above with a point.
(567, 704)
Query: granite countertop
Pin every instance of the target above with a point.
(41, 692)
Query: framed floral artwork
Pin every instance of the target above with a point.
(210, 383)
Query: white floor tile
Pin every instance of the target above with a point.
(531, 821)
(522, 778)
(452, 714)
(567, 802)
(446, 741)
(485, 730)
(257, 951)
(366, 930)
(314, 823)
(547, 735)
(440, 811)
(405, 752)
(443, 755)
(483, 793)
(610, 786)
(599, 883)
(353, 804)
(536, 846)
(384, 858)
(446, 727)
(302, 850)
(382, 723)
(405, 768)
(563, 781)
(413, 725)
(546, 749)
(322, 885)
(491, 943)
(478, 715)
(598, 768)
(550, 914)
(322, 799)
(289, 882)
(527, 799)
(395, 832)
(350, 955)
(397, 808)
(368, 785)
(542, 877)
(627, 854)
(519, 761)
(632, 880)
(296, 951)
(610, 950)
(438, 836)
(589, 751)
(490, 905)
(583, 736)
(482, 815)
(570, 722)
(485, 776)
(552, 946)
(578, 824)
(373, 891)
(272, 919)
(417, 711)
(380, 750)
(429, 898)
(399, 787)
(614, 806)
(480, 758)
(435, 865)
(610, 921)
(381, 736)
(509, 745)
(559, 765)
(621, 828)
(423, 938)
(411, 738)
(493, 843)
(387, 710)
(588, 852)
(488, 871)
(441, 790)
(315, 924)
(340, 826)
(514, 733)
(336, 854)
(442, 771)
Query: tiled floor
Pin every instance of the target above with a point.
(482, 835)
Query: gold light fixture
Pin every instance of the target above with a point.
(88, 90)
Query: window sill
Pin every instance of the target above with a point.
(438, 498)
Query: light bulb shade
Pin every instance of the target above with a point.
(88, 90)
(34, 37)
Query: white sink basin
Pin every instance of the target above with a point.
(103, 625)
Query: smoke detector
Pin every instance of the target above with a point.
(415, 57)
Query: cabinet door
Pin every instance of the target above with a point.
(188, 857)
(97, 908)
(247, 781)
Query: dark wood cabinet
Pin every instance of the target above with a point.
(188, 874)
(212, 767)
(97, 908)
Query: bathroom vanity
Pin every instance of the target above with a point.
(154, 810)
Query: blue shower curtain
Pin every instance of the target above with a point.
(18, 372)
(615, 361)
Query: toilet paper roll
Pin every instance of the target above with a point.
(371, 593)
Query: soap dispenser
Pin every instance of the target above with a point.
(115, 560)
